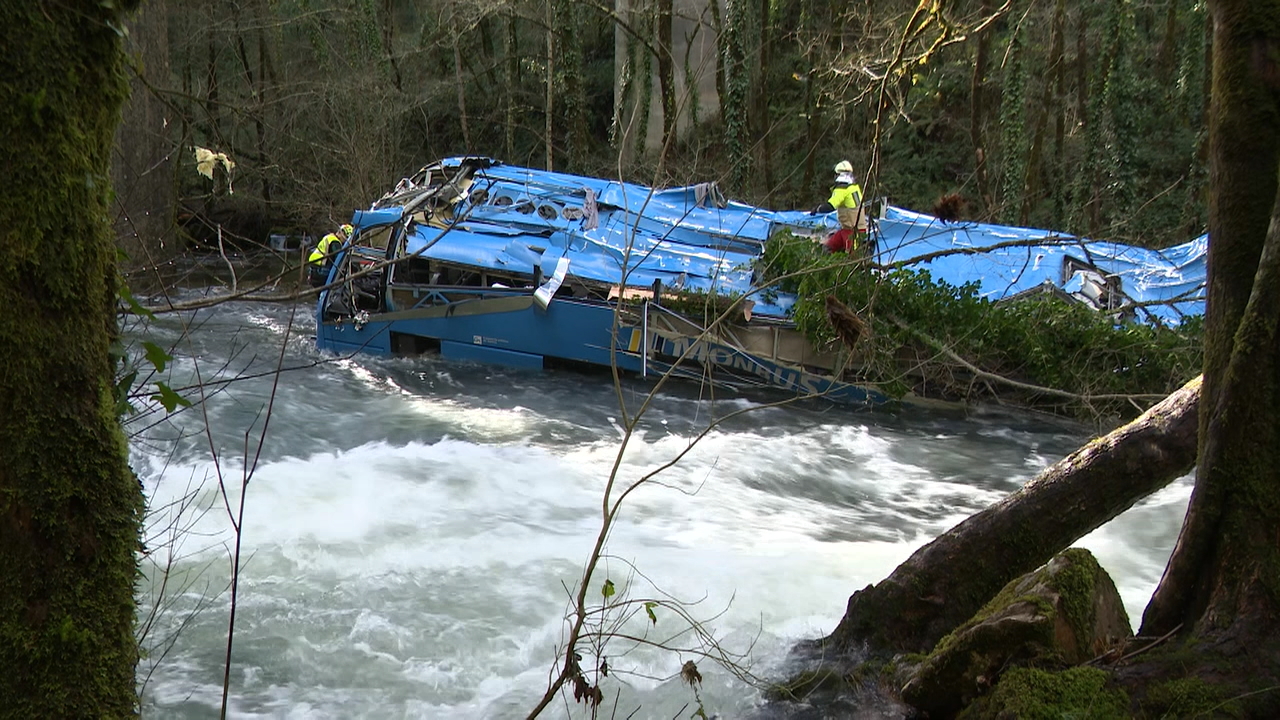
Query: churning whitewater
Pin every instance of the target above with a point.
(413, 529)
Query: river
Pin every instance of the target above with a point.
(413, 528)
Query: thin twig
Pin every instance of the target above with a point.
(942, 348)
(1152, 644)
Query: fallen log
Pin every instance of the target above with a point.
(945, 582)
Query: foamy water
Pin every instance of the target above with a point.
(412, 529)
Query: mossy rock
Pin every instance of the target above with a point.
(1030, 694)
(1064, 613)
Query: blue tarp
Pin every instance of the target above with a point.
(691, 238)
(1015, 260)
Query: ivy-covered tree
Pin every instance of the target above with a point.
(70, 507)
(1222, 585)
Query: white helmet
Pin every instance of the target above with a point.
(844, 166)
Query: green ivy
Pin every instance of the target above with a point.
(1039, 340)
(127, 363)
(1014, 131)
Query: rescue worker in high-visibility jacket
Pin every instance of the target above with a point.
(321, 259)
(846, 201)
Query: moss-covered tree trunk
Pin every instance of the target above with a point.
(1224, 575)
(945, 582)
(69, 505)
(977, 116)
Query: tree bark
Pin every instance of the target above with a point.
(255, 82)
(721, 57)
(266, 78)
(977, 114)
(462, 96)
(142, 163)
(1166, 52)
(733, 107)
(666, 76)
(1223, 566)
(1059, 176)
(512, 80)
(812, 106)
(944, 583)
(212, 102)
(70, 507)
(551, 76)
(760, 121)
(1087, 193)
(623, 74)
(387, 24)
(569, 43)
(1034, 173)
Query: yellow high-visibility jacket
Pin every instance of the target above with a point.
(324, 248)
(847, 200)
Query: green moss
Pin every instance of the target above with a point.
(1009, 595)
(978, 651)
(1075, 585)
(69, 505)
(1188, 698)
(1030, 694)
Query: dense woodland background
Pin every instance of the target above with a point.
(1085, 116)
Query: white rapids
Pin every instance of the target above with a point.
(413, 528)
